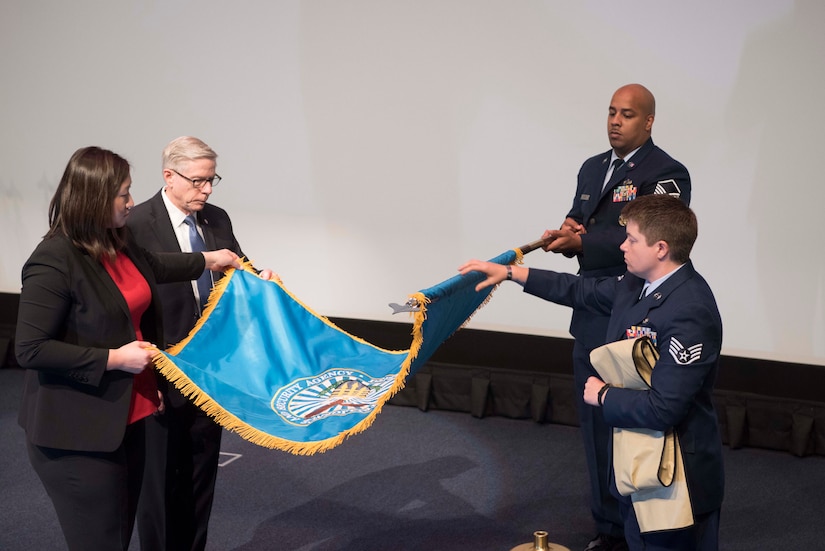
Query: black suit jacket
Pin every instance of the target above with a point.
(649, 171)
(71, 314)
(152, 228)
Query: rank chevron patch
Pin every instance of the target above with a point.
(669, 187)
(684, 355)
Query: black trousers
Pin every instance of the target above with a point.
(94, 494)
(183, 450)
(596, 437)
(702, 536)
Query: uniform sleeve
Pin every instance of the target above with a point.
(594, 294)
(171, 267)
(689, 351)
(673, 179)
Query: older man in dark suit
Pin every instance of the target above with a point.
(183, 444)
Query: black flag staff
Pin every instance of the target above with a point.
(537, 244)
(412, 305)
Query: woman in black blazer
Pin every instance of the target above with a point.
(88, 326)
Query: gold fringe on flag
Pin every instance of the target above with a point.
(229, 421)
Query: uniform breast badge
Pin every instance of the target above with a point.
(636, 331)
(625, 192)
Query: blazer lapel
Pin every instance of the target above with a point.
(162, 224)
(141, 264)
(627, 308)
(617, 177)
(595, 191)
(98, 273)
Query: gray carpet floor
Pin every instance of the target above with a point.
(438, 480)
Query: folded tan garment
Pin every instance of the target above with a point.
(647, 464)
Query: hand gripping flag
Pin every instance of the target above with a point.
(264, 365)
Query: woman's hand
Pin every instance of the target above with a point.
(132, 358)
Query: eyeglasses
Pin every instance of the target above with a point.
(198, 182)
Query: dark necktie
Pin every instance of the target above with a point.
(614, 167)
(616, 164)
(198, 246)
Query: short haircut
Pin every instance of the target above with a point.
(664, 218)
(81, 208)
(184, 149)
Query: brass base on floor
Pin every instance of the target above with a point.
(540, 543)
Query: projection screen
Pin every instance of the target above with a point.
(368, 148)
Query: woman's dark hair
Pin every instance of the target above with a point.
(82, 206)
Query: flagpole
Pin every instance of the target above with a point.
(537, 244)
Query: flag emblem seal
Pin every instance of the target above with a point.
(335, 392)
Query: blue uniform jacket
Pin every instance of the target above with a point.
(682, 318)
(648, 172)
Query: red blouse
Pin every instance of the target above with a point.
(135, 290)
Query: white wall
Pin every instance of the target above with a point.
(369, 147)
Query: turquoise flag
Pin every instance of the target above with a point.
(267, 367)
